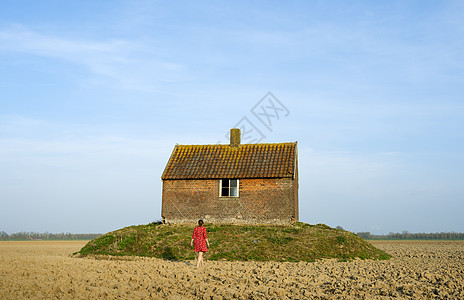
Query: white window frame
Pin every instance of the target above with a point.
(220, 188)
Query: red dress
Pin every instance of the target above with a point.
(199, 238)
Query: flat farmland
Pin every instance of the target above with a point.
(47, 269)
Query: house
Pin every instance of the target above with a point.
(231, 184)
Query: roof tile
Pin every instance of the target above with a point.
(223, 161)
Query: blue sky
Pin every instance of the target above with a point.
(95, 94)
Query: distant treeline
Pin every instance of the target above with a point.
(413, 236)
(47, 236)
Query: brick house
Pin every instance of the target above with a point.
(232, 184)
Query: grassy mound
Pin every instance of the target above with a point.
(301, 242)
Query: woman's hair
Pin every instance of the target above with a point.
(200, 222)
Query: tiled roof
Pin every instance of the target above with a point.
(223, 161)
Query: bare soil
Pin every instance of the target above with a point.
(46, 269)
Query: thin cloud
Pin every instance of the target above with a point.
(123, 63)
(22, 40)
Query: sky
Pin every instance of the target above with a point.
(94, 95)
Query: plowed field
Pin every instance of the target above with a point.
(46, 269)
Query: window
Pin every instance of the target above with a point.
(229, 187)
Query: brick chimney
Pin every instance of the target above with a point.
(235, 137)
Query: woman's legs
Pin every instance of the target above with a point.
(200, 259)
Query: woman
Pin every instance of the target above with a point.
(200, 239)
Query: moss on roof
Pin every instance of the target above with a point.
(222, 161)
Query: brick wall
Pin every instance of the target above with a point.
(260, 201)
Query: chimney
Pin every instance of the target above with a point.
(235, 137)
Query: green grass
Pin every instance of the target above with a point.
(301, 242)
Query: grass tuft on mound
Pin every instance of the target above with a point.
(301, 242)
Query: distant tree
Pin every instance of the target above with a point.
(50, 236)
(405, 235)
(339, 227)
(3, 235)
(364, 235)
